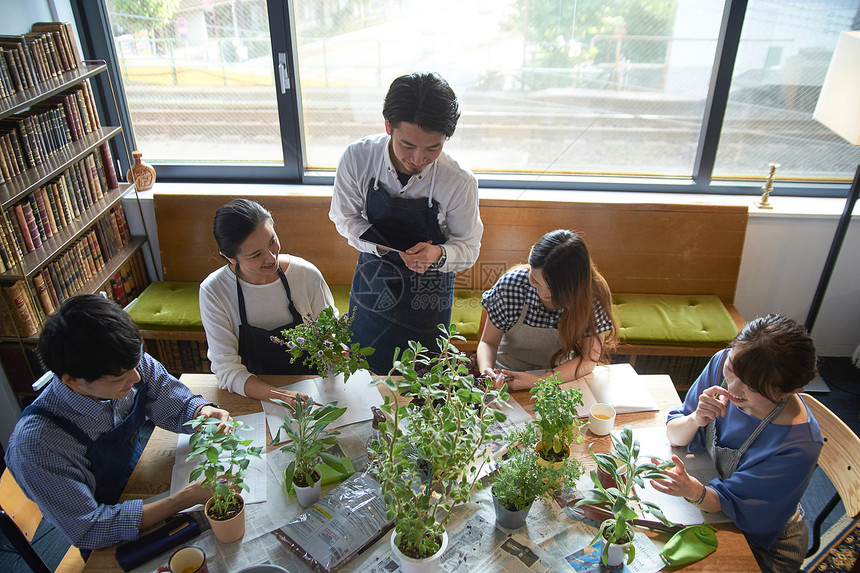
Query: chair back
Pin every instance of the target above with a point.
(24, 512)
(840, 455)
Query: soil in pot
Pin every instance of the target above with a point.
(301, 480)
(228, 529)
(233, 510)
(419, 565)
(549, 456)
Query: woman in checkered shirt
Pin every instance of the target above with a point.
(552, 315)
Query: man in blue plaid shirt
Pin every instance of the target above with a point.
(75, 447)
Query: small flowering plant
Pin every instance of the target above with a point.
(322, 343)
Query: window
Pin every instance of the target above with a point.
(550, 90)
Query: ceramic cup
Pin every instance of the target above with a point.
(189, 559)
(601, 419)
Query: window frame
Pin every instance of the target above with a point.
(97, 43)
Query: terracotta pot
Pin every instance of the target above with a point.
(427, 565)
(510, 519)
(309, 495)
(607, 480)
(228, 530)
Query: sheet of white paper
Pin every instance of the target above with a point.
(357, 396)
(614, 384)
(654, 443)
(257, 469)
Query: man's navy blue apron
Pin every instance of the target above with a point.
(259, 354)
(112, 455)
(392, 303)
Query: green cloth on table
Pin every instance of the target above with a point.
(690, 545)
(329, 475)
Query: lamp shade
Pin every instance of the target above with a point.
(839, 103)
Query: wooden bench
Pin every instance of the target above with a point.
(648, 249)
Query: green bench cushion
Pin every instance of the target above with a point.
(466, 312)
(688, 320)
(168, 305)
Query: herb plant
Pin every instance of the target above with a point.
(556, 417)
(307, 427)
(323, 344)
(429, 456)
(223, 459)
(623, 465)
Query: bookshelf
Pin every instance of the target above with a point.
(64, 180)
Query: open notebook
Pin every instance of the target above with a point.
(616, 384)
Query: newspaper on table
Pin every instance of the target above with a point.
(337, 527)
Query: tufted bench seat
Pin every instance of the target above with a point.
(673, 269)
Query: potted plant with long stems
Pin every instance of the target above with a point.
(323, 344)
(556, 419)
(307, 426)
(223, 457)
(520, 479)
(623, 465)
(430, 450)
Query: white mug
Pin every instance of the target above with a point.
(601, 419)
(189, 559)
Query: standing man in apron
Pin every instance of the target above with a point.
(745, 412)
(74, 448)
(401, 181)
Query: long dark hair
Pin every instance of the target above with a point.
(235, 221)
(773, 355)
(574, 283)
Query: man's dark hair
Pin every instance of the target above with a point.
(423, 99)
(89, 337)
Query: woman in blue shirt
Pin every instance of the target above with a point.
(744, 410)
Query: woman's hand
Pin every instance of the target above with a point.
(290, 397)
(519, 380)
(713, 402)
(678, 482)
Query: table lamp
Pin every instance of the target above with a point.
(838, 108)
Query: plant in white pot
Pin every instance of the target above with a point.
(307, 426)
(520, 479)
(323, 344)
(222, 458)
(430, 450)
(556, 418)
(623, 466)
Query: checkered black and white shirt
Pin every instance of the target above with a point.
(504, 303)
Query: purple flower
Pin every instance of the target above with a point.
(300, 340)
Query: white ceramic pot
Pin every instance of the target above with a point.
(427, 565)
(617, 554)
(308, 495)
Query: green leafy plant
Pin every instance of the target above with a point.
(520, 479)
(622, 464)
(222, 459)
(323, 344)
(556, 417)
(307, 426)
(431, 449)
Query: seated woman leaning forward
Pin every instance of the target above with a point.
(745, 412)
(256, 295)
(551, 315)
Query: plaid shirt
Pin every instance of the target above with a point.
(52, 467)
(505, 301)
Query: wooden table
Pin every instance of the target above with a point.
(153, 471)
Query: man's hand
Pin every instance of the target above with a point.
(421, 256)
(210, 411)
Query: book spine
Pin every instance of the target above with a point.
(122, 223)
(42, 291)
(118, 290)
(64, 181)
(110, 170)
(100, 171)
(50, 208)
(94, 177)
(32, 226)
(37, 216)
(98, 258)
(94, 114)
(23, 312)
(128, 281)
(24, 224)
(57, 281)
(52, 292)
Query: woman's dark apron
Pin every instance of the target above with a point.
(112, 455)
(258, 353)
(789, 550)
(393, 304)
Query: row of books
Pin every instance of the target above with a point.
(128, 282)
(68, 274)
(48, 50)
(180, 355)
(29, 138)
(54, 206)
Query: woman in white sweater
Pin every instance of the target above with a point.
(257, 294)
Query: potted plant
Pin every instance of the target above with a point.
(323, 344)
(430, 450)
(557, 421)
(622, 464)
(222, 459)
(520, 479)
(307, 426)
